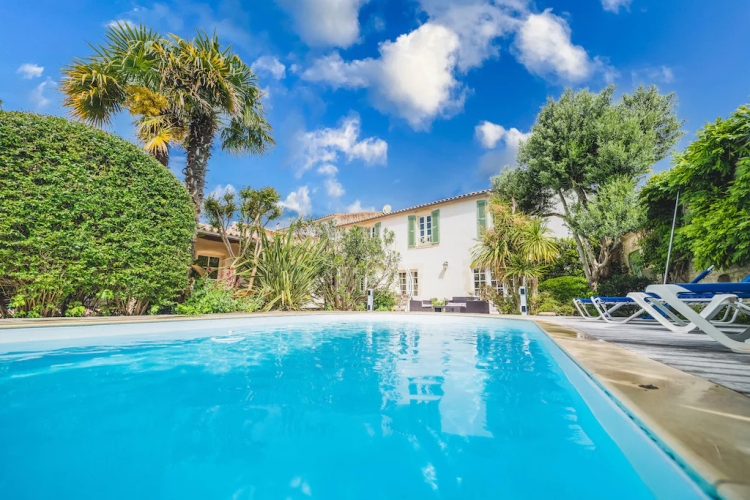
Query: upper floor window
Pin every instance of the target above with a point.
(425, 229)
(372, 232)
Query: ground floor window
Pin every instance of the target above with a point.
(480, 280)
(403, 282)
(496, 285)
(210, 265)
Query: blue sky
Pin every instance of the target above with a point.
(402, 102)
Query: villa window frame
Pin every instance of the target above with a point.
(403, 282)
(424, 228)
(212, 272)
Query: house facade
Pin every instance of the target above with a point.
(211, 253)
(435, 241)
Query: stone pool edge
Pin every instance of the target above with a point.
(706, 425)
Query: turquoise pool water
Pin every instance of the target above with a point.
(320, 407)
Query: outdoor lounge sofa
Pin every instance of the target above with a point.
(468, 305)
(419, 305)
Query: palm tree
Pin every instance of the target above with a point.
(517, 248)
(181, 92)
(535, 241)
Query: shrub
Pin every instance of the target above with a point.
(504, 304)
(545, 302)
(288, 271)
(566, 288)
(83, 211)
(619, 285)
(211, 297)
(384, 300)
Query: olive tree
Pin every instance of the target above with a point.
(580, 143)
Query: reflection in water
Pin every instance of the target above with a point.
(318, 411)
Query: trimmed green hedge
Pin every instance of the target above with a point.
(566, 288)
(86, 216)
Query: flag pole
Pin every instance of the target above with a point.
(671, 238)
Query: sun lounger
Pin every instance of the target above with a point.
(605, 306)
(678, 298)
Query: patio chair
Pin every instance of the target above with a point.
(678, 298)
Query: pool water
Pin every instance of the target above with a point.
(324, 407)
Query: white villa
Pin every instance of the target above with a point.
(435, 242)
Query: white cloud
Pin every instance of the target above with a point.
(219, 191)
(490, 135)
(328, 169)
(298, 201)
(334, 188)
(417, 75)
(115, 22)
(357, 207)
(324, 146)
(478, 23)
(413, 78)
(658, 74)
(30, 70)
(545, 48)
(37, 97)
(269, 65)
(327, 23)
(614, 5)
(337, 73)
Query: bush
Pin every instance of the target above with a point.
(504, 304)
(384, 300)
(545, 302)
(566, 288)
(619, 285)
(211, 297)
(567, 263)
(83, 211)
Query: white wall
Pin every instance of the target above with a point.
(458, 233)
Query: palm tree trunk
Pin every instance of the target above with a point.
(200, 138)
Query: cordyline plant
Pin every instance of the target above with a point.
(182, 93)
(246, 215)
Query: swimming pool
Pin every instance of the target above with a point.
(345, 406)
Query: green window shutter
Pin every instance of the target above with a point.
(436, 226)
(377, 229)
(481, 216)
(412, 229)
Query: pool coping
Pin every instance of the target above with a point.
(704, 426)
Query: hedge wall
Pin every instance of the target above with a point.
(86, 216)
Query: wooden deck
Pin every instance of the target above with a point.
(693, 353)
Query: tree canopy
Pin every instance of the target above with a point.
(582, 142)
(181, 92)
(712, 176)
